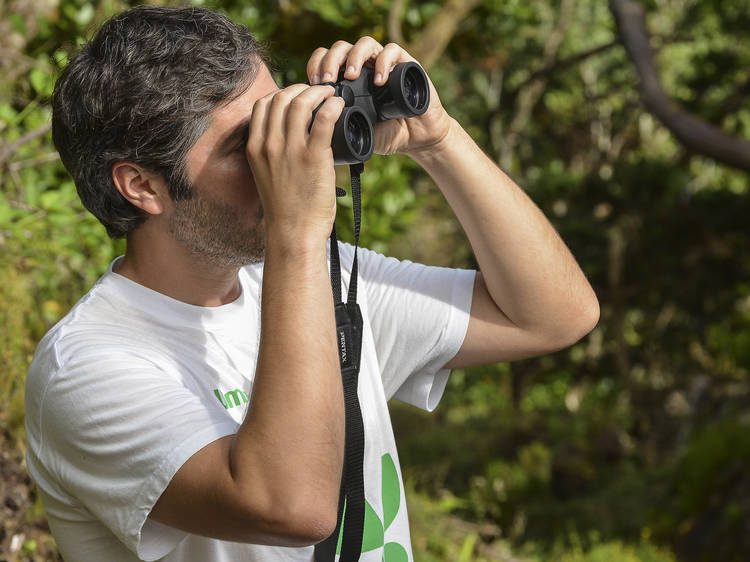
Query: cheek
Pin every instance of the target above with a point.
(236, 183)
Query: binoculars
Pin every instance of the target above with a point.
(405, 94)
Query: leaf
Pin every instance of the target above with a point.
(391, 491)
(7, 114)
(84, 16)
(61, 58)
(372, 537)
(6, 214)
(51, 200)
(42, 82)
(394, 552)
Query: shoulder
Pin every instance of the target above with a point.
(101, 329)
(374, 266)
(97, 317)
(69, 329)
(382, 275)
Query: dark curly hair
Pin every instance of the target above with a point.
(141, 91)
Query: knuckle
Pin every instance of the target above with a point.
(282, 98)
(341, 43)
(329, 112)
(328, 58)
(258, 109)
(285, 93)
(299, 103)
(325, 114)
(272, 148)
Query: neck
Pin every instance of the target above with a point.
(163, 265)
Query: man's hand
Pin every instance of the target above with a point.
(293, 168)
(410, 136)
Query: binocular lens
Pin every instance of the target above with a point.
(406, 94)
(415, 89)
(354, 135)
(358, 134)
(353, 138)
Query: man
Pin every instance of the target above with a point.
(190, 406)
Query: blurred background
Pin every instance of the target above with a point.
(627, 122)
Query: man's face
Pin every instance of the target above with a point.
(222, 222)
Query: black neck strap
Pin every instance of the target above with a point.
(347, 537)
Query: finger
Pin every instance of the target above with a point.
(325, 120)
(313, 65)
(276, 126)
(333, 60)
(391, 55)
(301, 108)
(366, 48)
(258, 124)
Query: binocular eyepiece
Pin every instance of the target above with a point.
(405, 94)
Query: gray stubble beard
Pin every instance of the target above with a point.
(216, 232)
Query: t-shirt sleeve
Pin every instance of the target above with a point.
(115, 428)
(419, 315)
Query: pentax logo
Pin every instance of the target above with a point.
(342, 346)
(232, 398)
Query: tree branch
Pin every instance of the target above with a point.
(561, 64)
(617, 244)
(695, 134)
(431, 42)
(394, 21)
(8, 149)
(529, 96)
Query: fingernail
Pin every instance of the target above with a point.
(327, 77)
(378, 77)
(350, 69)
(316, 79)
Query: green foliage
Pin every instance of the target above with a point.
(626, 446)
(15, 345)
(51, 250)
(616, 551)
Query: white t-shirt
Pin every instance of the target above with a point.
(131, 383)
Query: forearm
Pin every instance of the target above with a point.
(293, 435)
(529, 272)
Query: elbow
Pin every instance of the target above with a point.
(589, 317)
(301, 524)
(289, 515)
(312, 523)
(575, 326)
(584, 321)
(317, 528)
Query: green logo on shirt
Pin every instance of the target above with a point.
(375, 529)
(230, 399)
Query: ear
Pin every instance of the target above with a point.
(146, 190)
